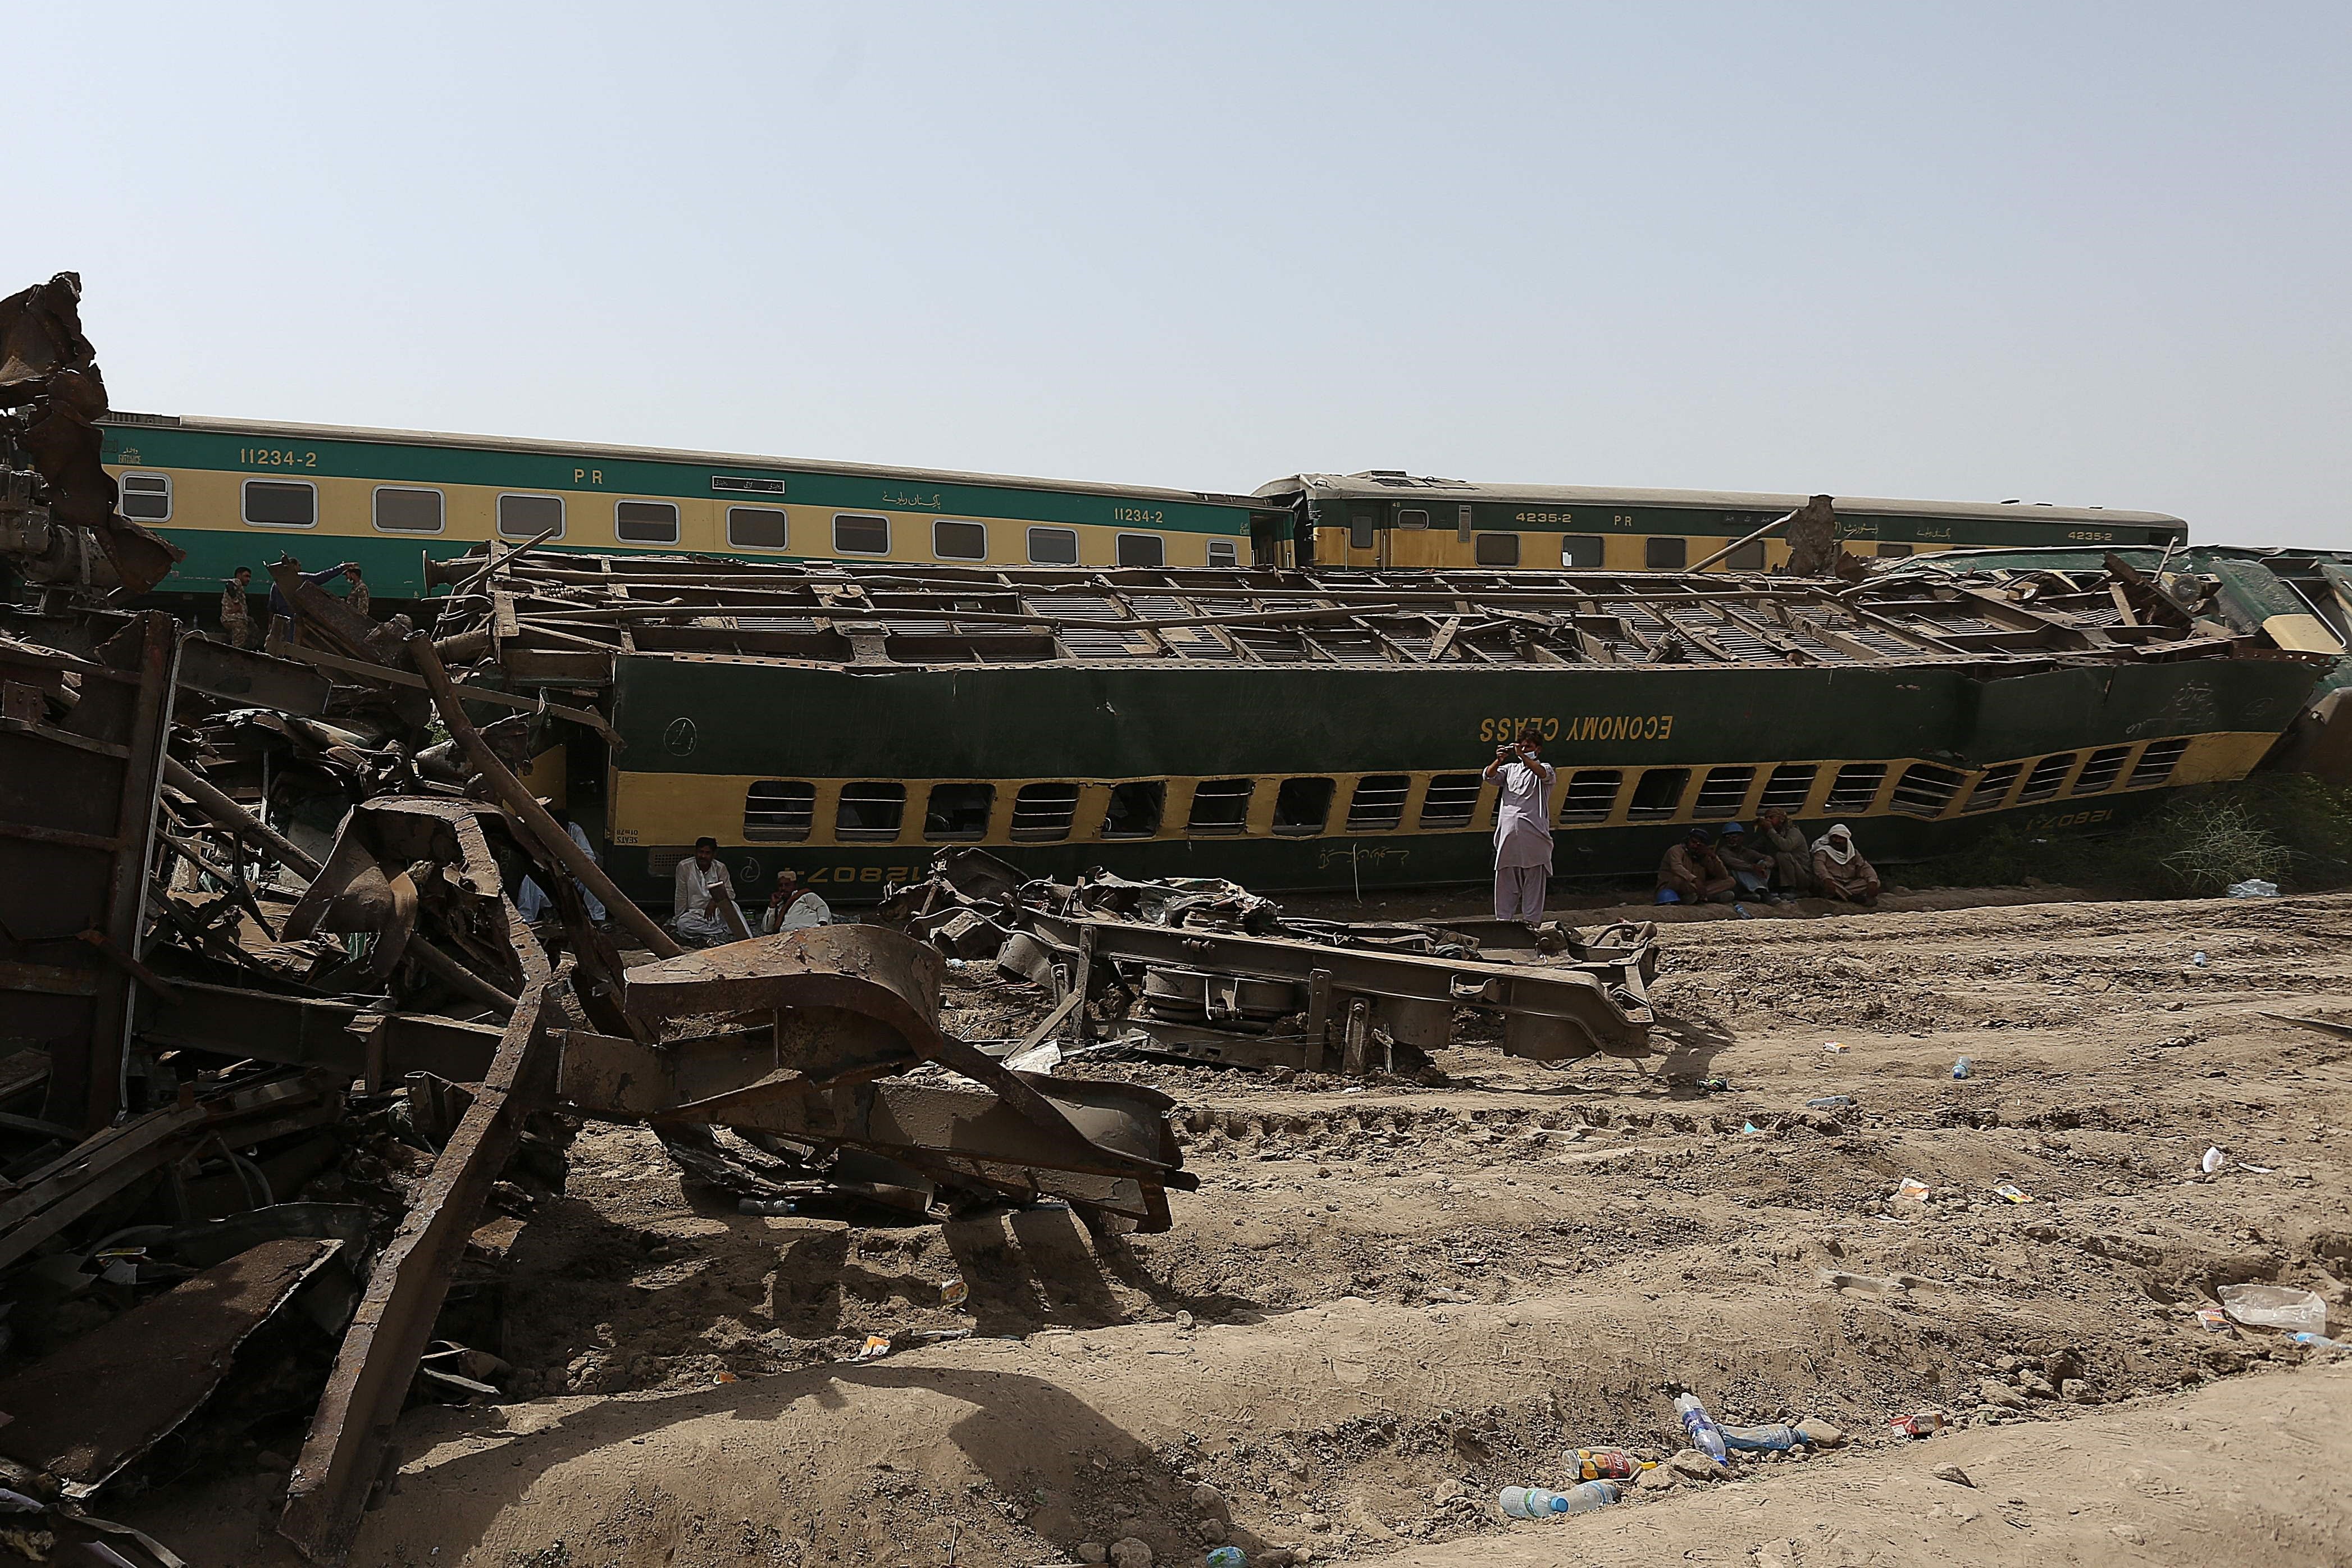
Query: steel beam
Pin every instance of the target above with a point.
(307, 1031)
(352, 1432)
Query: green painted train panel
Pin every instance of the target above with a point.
(721, 716)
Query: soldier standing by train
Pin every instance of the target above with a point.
(236, 614)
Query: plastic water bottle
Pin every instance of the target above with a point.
(1227, 1557)
(1704, 1434)
(1605, 1465)
(1964, 1068)
(2314, 1341)
(1760, 1439)
(1535, 1503)
(2198, 959)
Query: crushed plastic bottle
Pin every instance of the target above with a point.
(2315, 1341)
(1704, 1434)
(1964, 1068)
(1227, 1557)
(2197, 959)
(1776, 1436)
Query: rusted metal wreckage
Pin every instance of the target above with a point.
(254, 911)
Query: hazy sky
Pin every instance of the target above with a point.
(2069, 252)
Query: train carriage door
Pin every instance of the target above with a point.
(1364, 532)
(1412, 542)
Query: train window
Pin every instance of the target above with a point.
(1043, 811)
(528, 517)
(1413, 517)
(1666, 553)
(1991, 784)
(1925, 789)
(1591, 793)
(1135, 809)
(959, 811)
(1658, 794)
(869, 810)
(282, 504)
(1301, 806)
(1378, 805)
(1220, 805)
(645, 522)
(1452, 800)
(146, 498)
(854, 535)
(402, 511)
(958, 540)
(1787, 788)
(1747, 558)
(1720, 793)
(2105, 766)
(757, 527)
(1854, 787)
(1141, 550)
(1499, 550)
(1053, 546)
(2047, 775)
(1894, 550)
(2155, 764)
(1580, 549)
(1221, 553)
(778, 809)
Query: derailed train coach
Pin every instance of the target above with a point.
(1298, 732)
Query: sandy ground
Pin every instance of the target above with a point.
(1385, 1304)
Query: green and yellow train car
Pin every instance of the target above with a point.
(1387, 518)
(241, 493)
(1297, 731)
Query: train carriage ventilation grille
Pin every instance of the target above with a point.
(1452, 800)
(1220, 805)
(1198, 642)
(1074, 607)
(2107, 765)
(2155, 764)
(1090, 642)
(2047, 775)
(1721, 791)
(1273, 647)
(777, 811)
(1925, 789)
(1787, 788)
(1045, 812)
(870, 812)
(1658, 794)
(1992, 786)
(1855, 786)
(1378, 805)
(1591, 795)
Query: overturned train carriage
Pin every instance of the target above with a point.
(1327, 731)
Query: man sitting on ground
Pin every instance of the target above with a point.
(1691, 873)
(1751, 865)
(792, 907)
(1840, 872)
(701, 884)
(1792, 858)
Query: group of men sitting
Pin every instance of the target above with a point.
(703, 911)
(1776, 866)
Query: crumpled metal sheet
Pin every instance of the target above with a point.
(50, 386)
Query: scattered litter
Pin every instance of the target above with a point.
(954, 1292)
(1835, 1049)
(1954, 1474)
(1716, 1085)
(2254, 887)
(1964, 1068)
(1704, 1434)
(2274, 1307)
(2197, 959)
(1042, 1056)
(1914, 1189)
(2215, 1319)
(2213, 1161)
(1746, 1128)
(2315, 1341)
(1226, 1557)
(1605, 1465)
(1535, 1503)
(2257, 1169)
(877, 1346)
(1830, 1102)
(2010, 1191)
(1919, 1423)
(1775, 1437)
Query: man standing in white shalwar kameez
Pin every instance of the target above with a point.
(1522, 828)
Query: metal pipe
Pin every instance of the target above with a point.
(524, 805)
(1769, 528)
